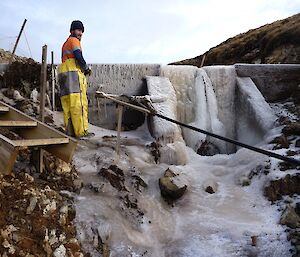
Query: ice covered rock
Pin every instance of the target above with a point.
(169, 188)
(292, 129)
(290, 218)
(208, 149)
(281, 142)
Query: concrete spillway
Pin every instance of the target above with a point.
(215, 98)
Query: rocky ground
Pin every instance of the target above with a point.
(283, 188)
(36, 209)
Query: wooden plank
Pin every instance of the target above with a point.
(4, 109)
(17, 123)
(40, 142)
(42, 100)
(8, 155)
(63, 151)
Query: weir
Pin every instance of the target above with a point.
(220, 99)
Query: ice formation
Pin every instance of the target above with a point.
(166, 133)
(183, 81)
(196, 104)
(254, 116)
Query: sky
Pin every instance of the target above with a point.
(134, 31)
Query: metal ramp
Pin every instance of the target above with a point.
(34, 134)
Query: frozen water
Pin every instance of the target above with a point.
(254, 116)
(223, 79)
(183, 81)
(200, 224)
(164, 131)
(206, 114)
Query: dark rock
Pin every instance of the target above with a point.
(296, 95)
(283, 166)
(139, 182)
(297, 208)
(154, 149)
(297, 144)
(95, 187)
(130, 202)
(284, 120)
(169, 190)
(290, 218)
(115, 176)
(288, 185)
(208, 149)
(292, 129)
(281, 142)
(291, 153)
(209, 190)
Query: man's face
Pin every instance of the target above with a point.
(77, 33)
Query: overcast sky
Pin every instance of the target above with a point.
(135, 31)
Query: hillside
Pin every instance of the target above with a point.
(278, 42)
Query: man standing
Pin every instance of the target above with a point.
(73, 84)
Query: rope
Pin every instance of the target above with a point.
(27, 44)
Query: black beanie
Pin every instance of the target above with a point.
(76, 25)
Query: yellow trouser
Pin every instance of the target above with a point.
(73, 98)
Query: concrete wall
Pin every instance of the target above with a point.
(127, 79)
(275, 81)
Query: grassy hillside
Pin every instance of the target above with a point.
(278, 42)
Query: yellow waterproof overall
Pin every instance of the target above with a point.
(74, 101)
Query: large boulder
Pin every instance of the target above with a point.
(169, 188)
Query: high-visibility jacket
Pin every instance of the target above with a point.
(73, 87)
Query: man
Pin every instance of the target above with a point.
(73, 84)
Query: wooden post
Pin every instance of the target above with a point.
(202, 61)
(42, 99)
(52, 81)
(43, 83)
(120, 113)
(17, 42)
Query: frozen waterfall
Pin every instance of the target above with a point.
(196, 105)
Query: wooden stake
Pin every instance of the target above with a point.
(52, 81)
(42, 99)
(120, 113)
(202, 61)
(17, 42)
(43, 83)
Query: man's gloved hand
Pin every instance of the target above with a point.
(87, 71)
